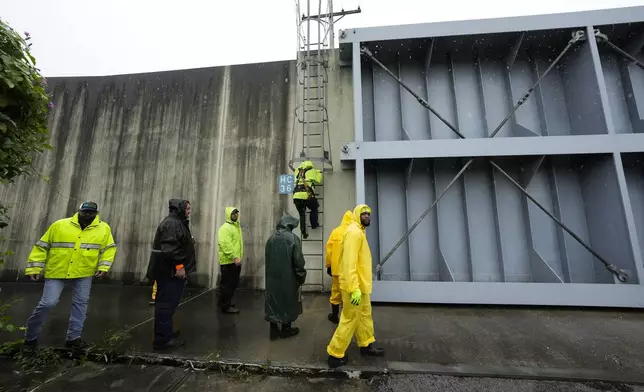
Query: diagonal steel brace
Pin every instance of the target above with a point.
(576, 37)
(603, 38)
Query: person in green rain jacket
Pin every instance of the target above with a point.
(231, 252)
(285, 275)
(306, 178)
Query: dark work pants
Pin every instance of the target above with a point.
(312, 204)
(169, 294)
(229, 281)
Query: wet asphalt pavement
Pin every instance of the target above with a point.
(448, 340)
(123, 378)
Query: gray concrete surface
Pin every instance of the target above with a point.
(116, 378)
(450, 339)
(217, 136)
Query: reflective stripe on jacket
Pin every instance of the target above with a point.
(311, 178)
(66, 251)
(229, 240)
(333, 245)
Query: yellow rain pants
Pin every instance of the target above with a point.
(353, 319)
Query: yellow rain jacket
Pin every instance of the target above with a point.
(333, 245)
(66, 251)
(229, 239)
(306, 178)
(356, 257)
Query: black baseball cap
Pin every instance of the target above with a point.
(88, 206)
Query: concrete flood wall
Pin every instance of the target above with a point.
(216, 136)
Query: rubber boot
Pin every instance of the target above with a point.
(334, 315)
(173, 343)
(288, 331)
(275, 331)
(337, 362)
(372, 351)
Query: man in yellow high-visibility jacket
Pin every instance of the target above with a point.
(72, 251)
(332, 255)
(306, 178)
(355, 285)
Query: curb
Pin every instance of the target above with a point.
(360, 372)
(227, 365)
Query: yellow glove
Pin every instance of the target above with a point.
(355, 297)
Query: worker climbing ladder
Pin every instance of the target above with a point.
(311, 139)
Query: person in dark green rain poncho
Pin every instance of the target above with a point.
(285, 275)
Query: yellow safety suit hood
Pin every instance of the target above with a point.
(333, 246)
(359, 210)
(229, 239)
(229, 213)
(306, 165)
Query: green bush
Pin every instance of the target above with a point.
(24, 106)
(24, 109)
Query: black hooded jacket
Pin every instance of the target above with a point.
(173, 244)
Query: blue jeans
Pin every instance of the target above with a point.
(50, 295)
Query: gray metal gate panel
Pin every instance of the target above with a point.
(576, 145)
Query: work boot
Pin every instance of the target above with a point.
(29, 347)
(275, 331)
(333, 316)
(288, 331)
(76, 344)
(305, 235)
(230, 310)
(372, 351)
(337, 362)
(173, 343)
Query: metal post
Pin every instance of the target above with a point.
(358, 129)
(360, 182)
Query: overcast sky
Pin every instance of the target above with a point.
(101, 37)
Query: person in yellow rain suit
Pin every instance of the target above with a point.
(306, 178)
(355, 285)
(332, 259)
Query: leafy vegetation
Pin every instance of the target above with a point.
(24, 110)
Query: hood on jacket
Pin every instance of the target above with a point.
(178, 207)
(229, 212)
(360, 208)
(306, 165)
(288, 222)
(347, 218)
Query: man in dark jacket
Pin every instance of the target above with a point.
(171, 260)
(285, 275)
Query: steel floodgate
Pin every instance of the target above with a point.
(502, 158)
